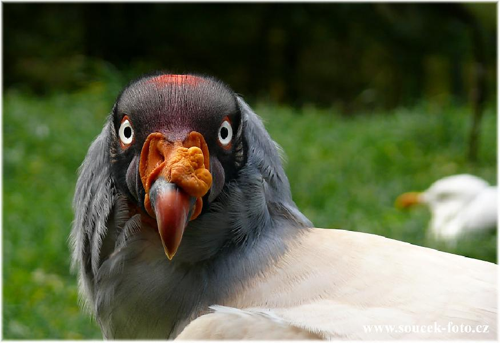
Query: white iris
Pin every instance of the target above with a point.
(126, 132)
(225, 133)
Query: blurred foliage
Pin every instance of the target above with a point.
(352, 56)
(64, 64)
(44, 142)
(345, 172)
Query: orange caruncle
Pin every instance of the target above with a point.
(182, 163)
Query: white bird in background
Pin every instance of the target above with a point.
(460, 205)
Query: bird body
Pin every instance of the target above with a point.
(185, 227)
(341, 285)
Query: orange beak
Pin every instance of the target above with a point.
(407, 200)
(175, 177)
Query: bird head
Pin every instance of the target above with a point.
(176, 140)
(448, 192)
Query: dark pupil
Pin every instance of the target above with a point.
(224, 132)
(127, 132)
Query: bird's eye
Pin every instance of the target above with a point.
(126, 132)
(444, 196)
(225, 134)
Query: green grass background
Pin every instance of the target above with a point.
(345, 172)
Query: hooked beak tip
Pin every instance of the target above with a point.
(170, 256)
(172, 208)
